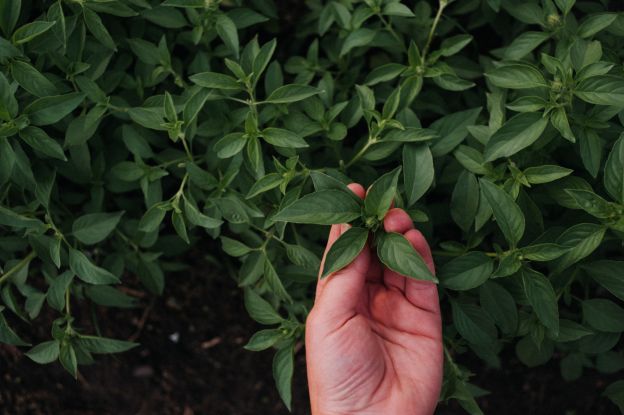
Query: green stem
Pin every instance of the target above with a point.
(391, 30)
(361, 152)
(17, 267)
(127, 240)
(436, 20)
(187, 150)
(68, 301)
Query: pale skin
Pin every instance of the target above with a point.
(374, 337)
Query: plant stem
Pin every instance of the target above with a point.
(436, 20)
(360, 153)
(187, 150)
(17, 267)
(391, 30)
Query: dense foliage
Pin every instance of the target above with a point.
(131, 130)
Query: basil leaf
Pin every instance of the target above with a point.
(418, 171)
(325, 207)
(381, 194)
(344, 250)
(516, 134)
(509, 217)
(396, 253)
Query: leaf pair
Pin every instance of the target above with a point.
(334, 203)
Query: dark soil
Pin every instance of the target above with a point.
(191, 361)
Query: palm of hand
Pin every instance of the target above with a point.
(373, 339)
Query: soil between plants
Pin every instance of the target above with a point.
(191, 361)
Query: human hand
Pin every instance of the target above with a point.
(374, 337)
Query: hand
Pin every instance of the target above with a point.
(373, 337)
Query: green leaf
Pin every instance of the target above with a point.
(266, 183)
(49, 110)
(152, 219)
(604, 315)
(32, 80)
(108, 296)
(303, 257)
(179, 225)
(516, 134)
(230, 145)
(418, 171)
(467, 271)
(545, 174)
(263, 58)
(559, 120)
(381, 194)
(274, 282)
(216, 80)
(517, 76)
(453, 45)
(67, 357)
(260, 310)
(570, 331)
(614, 171)
(615, 392)
(472, 160)
(197, 218)
(325, 207)
(9, 14)
(44, 353)
(384, 73)
(95, 227)
(30, 31)
(592, 203)
(452, 82)
(127, 171)
(595, 23)
(104, 345)
(7, 335)
(524, 44)
(541, 295)
(38, 139)
(97, 28)
(283, 138)
(473, 323)
(396, 253)
(452, 129)
(291, 93)
(357, 38)
(500, 305)
(509, 217)
(58, 288)
(227, 32)
(581, 240)
(283, 369)
(87, 271)
(397, 9)
(543, 252)
(608, 273)
(233, 247)
(465, 200)
(344, 250)
(601, 90)
(263, 339)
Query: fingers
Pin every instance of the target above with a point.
(397, 220)
(358, 189)
(422, 294)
